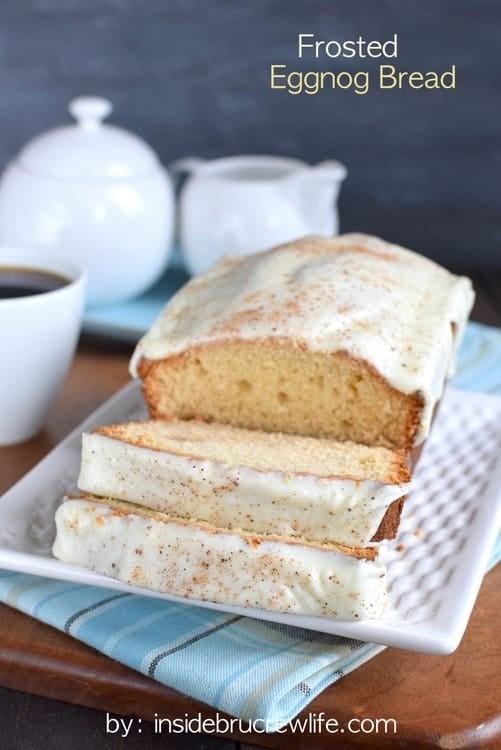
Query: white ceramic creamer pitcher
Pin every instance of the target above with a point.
(242, 204)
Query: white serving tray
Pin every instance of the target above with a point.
(435, 566)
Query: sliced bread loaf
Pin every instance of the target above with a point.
(319, 490)
(198, 561)
(349, 338)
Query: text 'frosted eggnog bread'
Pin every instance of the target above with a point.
(350, 338)
(265, 483)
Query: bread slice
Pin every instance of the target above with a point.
(264, 483)
(350, 338)
(199, 561)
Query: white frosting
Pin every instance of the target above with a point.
(379, 302)
(320, 509)
(198, 562)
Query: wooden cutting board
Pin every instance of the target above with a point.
(435, 701)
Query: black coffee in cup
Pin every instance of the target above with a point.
(25, 282)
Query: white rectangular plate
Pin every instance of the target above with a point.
(435, 566)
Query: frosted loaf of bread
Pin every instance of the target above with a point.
(350, 338)
(318, 490)
(199, 561)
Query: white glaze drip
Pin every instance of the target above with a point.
(397, 310)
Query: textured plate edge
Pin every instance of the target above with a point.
(468, 577)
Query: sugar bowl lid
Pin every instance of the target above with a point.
(88, 149)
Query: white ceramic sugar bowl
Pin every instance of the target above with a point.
(95, 193)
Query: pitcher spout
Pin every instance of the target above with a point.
(330, 170)
(316, 191)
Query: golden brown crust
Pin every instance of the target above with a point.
(400, 471)
(415, 401)
(390, 522)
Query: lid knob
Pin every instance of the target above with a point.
(89, 111)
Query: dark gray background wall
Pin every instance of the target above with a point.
(192, 77)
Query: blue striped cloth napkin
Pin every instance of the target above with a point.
(247, 668)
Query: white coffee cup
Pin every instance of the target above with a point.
(38, 337)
